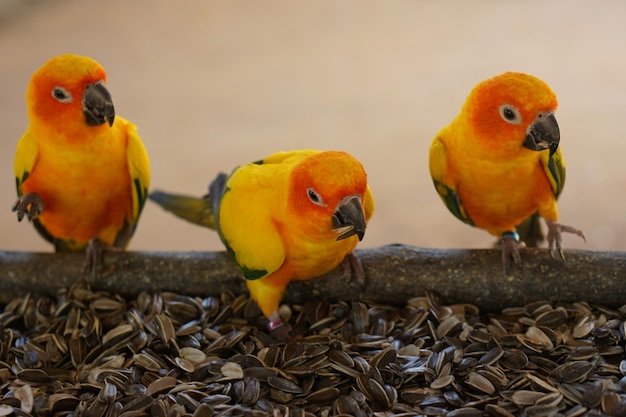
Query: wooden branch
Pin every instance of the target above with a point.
(394, 274)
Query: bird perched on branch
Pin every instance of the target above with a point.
(498, 165)
(291, 216)
(82, 173)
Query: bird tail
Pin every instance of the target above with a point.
(193, 209)
(530, 231)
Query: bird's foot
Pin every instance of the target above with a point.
(278, 329)
(554, 236)
(29, 204)
(352, 262)
(510, 250)
(94, 256)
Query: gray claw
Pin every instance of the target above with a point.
(555, 239)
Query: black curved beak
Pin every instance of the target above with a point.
(349, 218)
(542, 134)
(98, 105)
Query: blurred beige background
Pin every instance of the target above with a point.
(213, 84)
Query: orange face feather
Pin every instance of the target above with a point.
(55, 93)
(524, 96)
(319, 184)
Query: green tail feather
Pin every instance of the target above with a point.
(193, 209)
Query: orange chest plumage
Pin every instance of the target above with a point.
(498, 195)
(85, 188)
(307, 258)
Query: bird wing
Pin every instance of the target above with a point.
(139, 171)
(438, 164)
(25, 158)
(554, 166)
(251, 202)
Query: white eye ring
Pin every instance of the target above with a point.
(315, 197)
(510, 114)
(62, 95)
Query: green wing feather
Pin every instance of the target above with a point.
(25, 157)
(139, 171)
(530, 230)
(247, 202)
(438, 168)
(554, 166)
(453, 202)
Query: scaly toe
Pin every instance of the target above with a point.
(554, 237)
(352, 262)
(510, 250)
(30, 205)
(574, 231)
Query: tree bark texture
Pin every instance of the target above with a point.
(393, 274)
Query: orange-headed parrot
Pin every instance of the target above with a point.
(498, 165)
(291, 216)
(82, 173)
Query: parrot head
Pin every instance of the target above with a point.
(69, 91)
(326, 194)
(512, 111)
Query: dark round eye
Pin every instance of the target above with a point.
(61, 94)
(510, 114)
(314, 197)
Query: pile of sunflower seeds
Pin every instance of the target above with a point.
(90, 353)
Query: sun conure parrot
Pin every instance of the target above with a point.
(82, 173)
(291, 216)
(498, 165)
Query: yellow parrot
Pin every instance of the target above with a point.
(498, 165)
(291, 216)
(82, 173)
